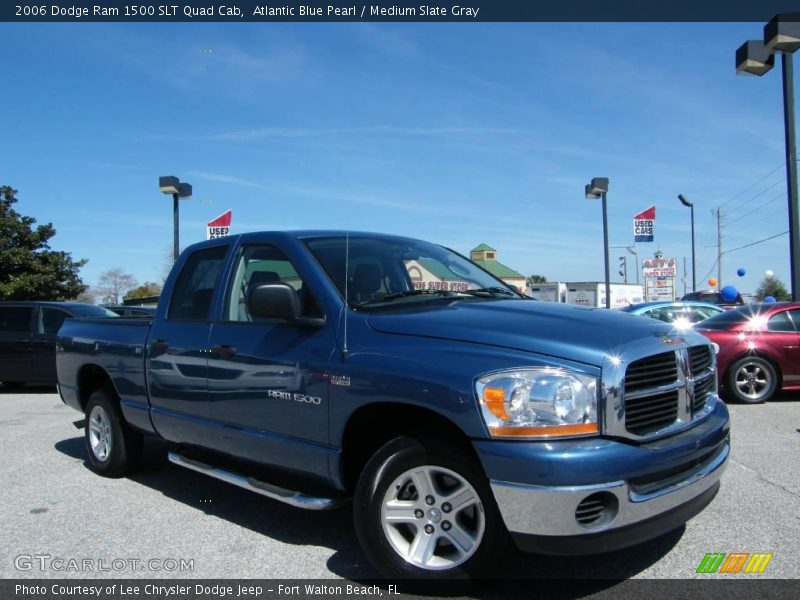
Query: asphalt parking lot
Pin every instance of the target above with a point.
(52, 505)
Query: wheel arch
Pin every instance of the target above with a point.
(371, 426)
(93, 377)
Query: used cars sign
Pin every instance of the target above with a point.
(219, 227)
(643, 225)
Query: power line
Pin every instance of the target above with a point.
(772, 237)
(750, 212)
(709, 271)
(750, 187)
(761, 193)
(708, 233)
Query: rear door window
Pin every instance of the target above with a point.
(15, 319)
(194, 289)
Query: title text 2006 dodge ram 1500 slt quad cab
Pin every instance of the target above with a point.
(316, 366)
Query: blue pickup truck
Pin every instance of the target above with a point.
(319, 368)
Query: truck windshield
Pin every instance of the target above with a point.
(386, 270)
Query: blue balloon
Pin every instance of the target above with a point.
(729, 293)
(769, 299)
(740, 271)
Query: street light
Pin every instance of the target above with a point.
(636, 255)
(685, 202)
(598, 189)
(169, 184)
(781, 34)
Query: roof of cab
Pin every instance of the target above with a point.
(299, 235)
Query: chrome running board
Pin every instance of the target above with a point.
(291, 497)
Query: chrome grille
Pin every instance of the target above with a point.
(650, 372)
(650, 396)
(647, 408)
(699, 359)
(651, 413)
(700, 362)
(701, 391)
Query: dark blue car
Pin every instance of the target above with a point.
(316, 367)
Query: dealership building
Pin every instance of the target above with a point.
(486, 257)
(430, 275)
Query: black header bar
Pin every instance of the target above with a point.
(437, 11)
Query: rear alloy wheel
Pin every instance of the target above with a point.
(114, 449)
(423, 510)
(752, 380)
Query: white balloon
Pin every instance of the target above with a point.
(769, 274)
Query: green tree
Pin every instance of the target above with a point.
(29, 269)
(147, 289)
(772, 286)
(533, 279)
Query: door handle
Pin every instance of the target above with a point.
(160, 345)
(223, 350)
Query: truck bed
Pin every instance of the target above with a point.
(116, 346)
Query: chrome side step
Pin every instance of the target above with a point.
(291, 497)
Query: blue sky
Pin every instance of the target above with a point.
(453, 133)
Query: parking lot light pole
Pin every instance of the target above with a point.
(598, 189)
(172, 185)
(632, 250)
(754, 57)
(685, 202)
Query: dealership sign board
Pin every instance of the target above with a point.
(219, 227)
(659, 267)
(660, 289)
(643, 225)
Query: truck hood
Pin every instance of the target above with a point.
(574, 333)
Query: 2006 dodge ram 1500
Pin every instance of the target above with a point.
(316, 366)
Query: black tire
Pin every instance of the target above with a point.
(751, 380)
(13, 384)
(451, 471)
(114, 449)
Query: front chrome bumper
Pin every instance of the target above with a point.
(551, 511)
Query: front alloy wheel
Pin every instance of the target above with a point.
(423, 510)
(433, 517)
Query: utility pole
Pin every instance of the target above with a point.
(719, 248)
(684, 275)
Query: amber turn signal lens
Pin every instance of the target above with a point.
(551, 431)
(494, 398)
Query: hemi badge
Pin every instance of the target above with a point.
(343, 380)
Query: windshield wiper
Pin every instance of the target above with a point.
(404, 294)
(491, 291)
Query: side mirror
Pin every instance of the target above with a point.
(273, 300)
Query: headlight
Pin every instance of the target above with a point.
(538, 402)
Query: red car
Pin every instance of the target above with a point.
(759, 349)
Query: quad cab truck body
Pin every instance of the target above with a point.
(316, 367)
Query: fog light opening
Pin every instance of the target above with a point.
(597, 510)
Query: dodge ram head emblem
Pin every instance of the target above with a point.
(670, 341)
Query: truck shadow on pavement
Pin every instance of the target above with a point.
(333, 529)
